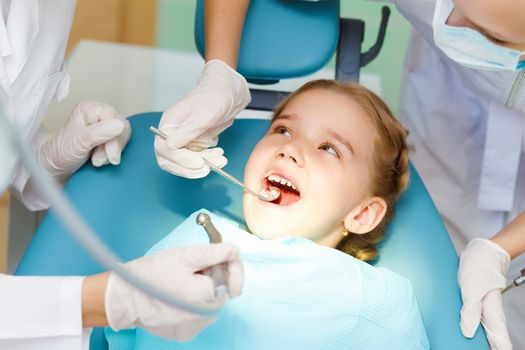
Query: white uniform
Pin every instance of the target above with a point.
(36, 312)
(468, 130)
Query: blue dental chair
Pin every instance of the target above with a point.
(134, 205)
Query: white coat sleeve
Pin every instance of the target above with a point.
(23, 187)
(42, 313)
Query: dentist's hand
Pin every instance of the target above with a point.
(93, 129)
(194, 124)
(178, 272)
(481, 277)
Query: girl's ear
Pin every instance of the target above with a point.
(365, 217)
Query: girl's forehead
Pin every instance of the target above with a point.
(325, 106)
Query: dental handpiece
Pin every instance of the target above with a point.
(517, 282)
(218, 273)
(265, 195)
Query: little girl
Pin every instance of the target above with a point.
(340, 161)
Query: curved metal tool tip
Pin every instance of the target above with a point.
(269, 195)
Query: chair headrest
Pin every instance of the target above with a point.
(282, 39)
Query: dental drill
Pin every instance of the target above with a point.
(218, 273)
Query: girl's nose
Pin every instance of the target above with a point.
(290, 151)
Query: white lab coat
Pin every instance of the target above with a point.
(36, 312)
(468, 130)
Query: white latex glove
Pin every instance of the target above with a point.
(93, 129)
(197, 120)
(481, 277)
(176, 271)
(188, 163)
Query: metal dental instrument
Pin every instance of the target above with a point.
(517, 282)
(218, 272)
(265, 197)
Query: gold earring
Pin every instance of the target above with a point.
(345, 232)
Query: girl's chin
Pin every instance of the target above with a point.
(269, 226)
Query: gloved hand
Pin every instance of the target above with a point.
(93, 129)
(481, 277)
(197, 120)
(175, 271)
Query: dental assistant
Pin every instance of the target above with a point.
(58, 312)
(463, 100)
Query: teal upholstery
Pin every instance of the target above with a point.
(134, 205)
(305, 31)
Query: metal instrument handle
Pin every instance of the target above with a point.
(216, 169)
(218, 273)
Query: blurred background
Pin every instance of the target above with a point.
(156, 38)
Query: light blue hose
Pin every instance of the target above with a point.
(78, 227)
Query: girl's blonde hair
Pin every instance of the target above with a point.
(389, 169)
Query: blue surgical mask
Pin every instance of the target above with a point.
(469, 47)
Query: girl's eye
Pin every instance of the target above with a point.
(280, 129)
(329, 148)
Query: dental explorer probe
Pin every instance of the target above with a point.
(218, 272)
(517, 282)
(268, 196)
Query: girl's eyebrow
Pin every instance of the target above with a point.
(285, 117)
(341, 139)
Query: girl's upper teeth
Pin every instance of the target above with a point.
(281, 180)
